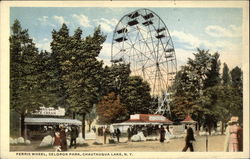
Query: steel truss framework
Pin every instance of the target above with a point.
(142, 39)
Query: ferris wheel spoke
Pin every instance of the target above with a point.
(145, 41)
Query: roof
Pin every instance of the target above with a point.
(52, 121)
(142, 119)
(188, 119)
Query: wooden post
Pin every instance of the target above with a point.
(83, 125)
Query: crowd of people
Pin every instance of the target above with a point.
(233, 140)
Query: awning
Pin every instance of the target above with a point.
(51, 121)
(188, 120)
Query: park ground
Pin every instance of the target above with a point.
(215, 144)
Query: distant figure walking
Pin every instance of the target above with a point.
(118, 134)
(167, 134)
(63, 140)
(162, 134)
(189, 140)
(129, 134)
(73, 136)
(106, 132)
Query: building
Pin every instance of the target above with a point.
(143, 120)
(45, 120)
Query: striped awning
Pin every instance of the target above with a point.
(51, 121)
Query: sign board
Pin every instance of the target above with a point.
(157, 118)
(50, 111)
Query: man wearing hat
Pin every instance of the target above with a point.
(232, 143)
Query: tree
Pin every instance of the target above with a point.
(110, 109)
(28, 88)
(136, 96)
(115, 78)
(225, 75)
(79, 70)
(59, 45)
(236, 75)
(190, 83)
(213, 73)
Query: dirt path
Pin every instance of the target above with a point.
(215, 144)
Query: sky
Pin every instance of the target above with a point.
(214, 29)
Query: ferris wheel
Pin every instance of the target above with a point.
(142, 39)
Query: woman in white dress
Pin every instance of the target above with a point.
(167, 134)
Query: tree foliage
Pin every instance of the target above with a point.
(225, 75)
(79, 71)
(29, 88)
(110, 109)
(136, 96)
(200, 91)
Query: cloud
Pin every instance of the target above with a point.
(106, 51)
(105, 54)
(44, 20)
(217, 31)
(107, 25)
(82, 20)
(43, 44)
(190, 40)
(182, 56)
(230, 50)
(60, 19)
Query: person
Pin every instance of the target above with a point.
(73, 136)
(129, 134)
(118, 134)
(240, 138)
(57, 141)
(94, 129)
(63, 140)
(162, 134)
(112, 131)
(106, 132)
(189, 140)
(233, 139)
(167, 134)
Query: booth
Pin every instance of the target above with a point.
(143, 122)
(188, 121)
(44, 121)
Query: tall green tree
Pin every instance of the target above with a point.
(213, 73)
(225, 75)
(79, 69)
(236, 76)
(115, 78)
(237, 83)
(27, 79)
(59, 47)
(191, 81)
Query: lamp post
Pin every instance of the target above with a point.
(206, 139)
